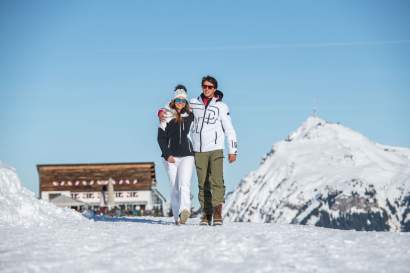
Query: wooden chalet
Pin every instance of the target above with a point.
(134, 185)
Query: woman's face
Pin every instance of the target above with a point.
(180, 103)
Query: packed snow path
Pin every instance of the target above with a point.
(156, 245)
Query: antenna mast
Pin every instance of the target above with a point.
(315, 106)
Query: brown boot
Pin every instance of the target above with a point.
(218, 215)
(206, 219)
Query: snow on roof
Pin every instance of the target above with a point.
(65, 201)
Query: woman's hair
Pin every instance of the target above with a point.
(178, 116)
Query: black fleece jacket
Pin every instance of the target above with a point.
(174, 139)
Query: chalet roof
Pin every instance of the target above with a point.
(85, 177)
(159, 194)
(65, 201)
(94, 164)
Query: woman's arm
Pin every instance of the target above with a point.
(163, 140)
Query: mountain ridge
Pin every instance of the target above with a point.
(327, 175)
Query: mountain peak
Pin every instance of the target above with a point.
(312, 123)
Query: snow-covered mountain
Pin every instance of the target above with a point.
(327, 175)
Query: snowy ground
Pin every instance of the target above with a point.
(36, 236)
(156, 245)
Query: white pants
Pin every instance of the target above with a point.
(180, 175)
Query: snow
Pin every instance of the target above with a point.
(156, 245)
(19, 206)
(36, 236)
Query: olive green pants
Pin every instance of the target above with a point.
(209, 169)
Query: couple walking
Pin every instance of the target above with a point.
(194, 133)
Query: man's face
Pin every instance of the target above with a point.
(208, 89)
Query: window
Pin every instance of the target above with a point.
(53, 195)
(133, 194)
(89, 195)
(74, 195)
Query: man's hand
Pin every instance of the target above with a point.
(162, 115)
(171, 159)
(231, 158)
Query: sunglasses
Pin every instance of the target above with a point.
(178, 100)
(204, 86)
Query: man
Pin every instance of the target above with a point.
(212, 123)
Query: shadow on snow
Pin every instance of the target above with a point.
(105, 218)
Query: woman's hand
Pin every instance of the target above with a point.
(171, 159)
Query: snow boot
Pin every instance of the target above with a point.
(184, 216)
(206, 219)
(218, 215)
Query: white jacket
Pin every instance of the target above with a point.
(211, 125)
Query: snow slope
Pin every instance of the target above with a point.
(327, 175)
(19, 206)
(37, 237)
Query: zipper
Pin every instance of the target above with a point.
(169, 143)
(216, 136)
(180, 133)
(200, 132)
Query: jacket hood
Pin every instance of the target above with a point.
(219, 94)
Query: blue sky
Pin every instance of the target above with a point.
(80, 81)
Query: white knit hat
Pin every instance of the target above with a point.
(180, 93)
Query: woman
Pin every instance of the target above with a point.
(177, 153)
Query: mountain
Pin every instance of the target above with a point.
(327, 175)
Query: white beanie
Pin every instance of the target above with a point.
(180, 93)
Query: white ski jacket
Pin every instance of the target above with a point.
(211, 125)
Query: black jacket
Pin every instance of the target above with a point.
(174, 139)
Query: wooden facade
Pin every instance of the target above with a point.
(91, 177)
(134, 185)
